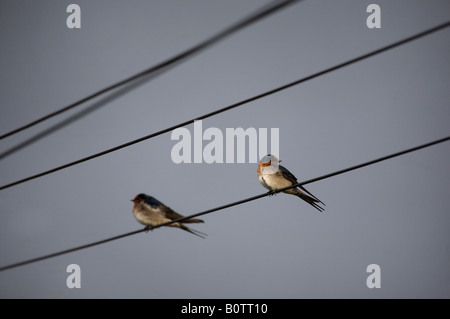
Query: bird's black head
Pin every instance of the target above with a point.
(140, 197)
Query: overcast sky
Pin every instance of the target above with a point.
(394, 214)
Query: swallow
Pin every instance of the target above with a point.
(151, 212)
(274, 176)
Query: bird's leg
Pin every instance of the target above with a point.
(146, 229)
(271, 193)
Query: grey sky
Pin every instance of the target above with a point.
(394, 214)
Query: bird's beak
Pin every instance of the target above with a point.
(132, 200)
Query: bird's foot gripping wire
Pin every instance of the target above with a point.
(146, 229)
(271, 193)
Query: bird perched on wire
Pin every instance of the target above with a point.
(274, 176)
(151, 212)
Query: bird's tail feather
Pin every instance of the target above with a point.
(192, 220)
(312, 201)
(193, 231)
(314, 197)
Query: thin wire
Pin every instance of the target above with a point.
(345, 170)
(69, 250)
(256, 97)
(101, 102)
(413, 149)
(261, 13)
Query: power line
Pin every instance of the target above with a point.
(380, 159)
(75, 117)
(342, 171)
(227, 108)
(261, 13)
(30, 261)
